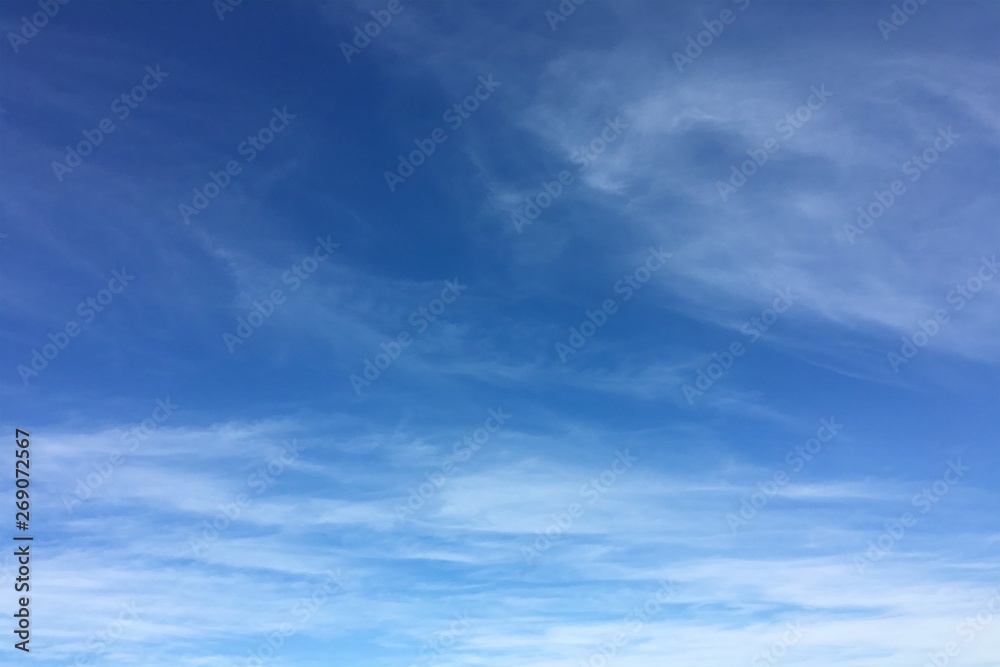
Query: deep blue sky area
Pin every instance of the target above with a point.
(508, 333)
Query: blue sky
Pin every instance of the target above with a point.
(516, 333)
